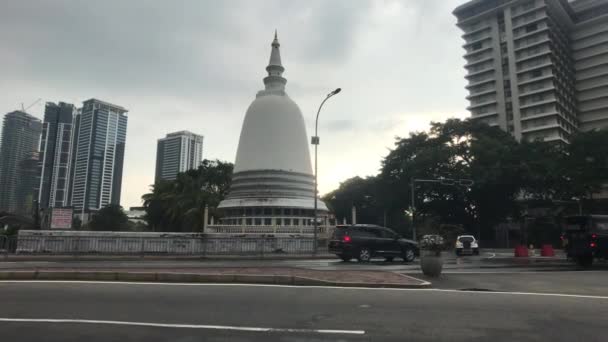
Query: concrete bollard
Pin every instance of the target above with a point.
(521, 251)
(547, 251)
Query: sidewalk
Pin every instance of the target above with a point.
(244, 275)
(130, 257)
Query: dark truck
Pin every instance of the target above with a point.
(585, 238)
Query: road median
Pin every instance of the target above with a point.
(228, 275)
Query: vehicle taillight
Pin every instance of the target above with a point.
(346, 238)
(593, 236)
(592, 245)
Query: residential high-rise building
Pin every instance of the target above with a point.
(178, 152)
(56, 154)
(20, 137)
(537, 69)
(99, 156)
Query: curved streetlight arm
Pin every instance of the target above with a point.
(315, 141)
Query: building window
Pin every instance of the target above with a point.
(267, 221)
(296, 222)
(278, 221)
(258, 222)
(267, 211)
(248, 221)
(536, 73)
(287, 222)
(476, 46)
(531, 27)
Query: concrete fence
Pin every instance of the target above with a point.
(39, 242)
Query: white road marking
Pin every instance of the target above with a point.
(184, 326)
(306, 287)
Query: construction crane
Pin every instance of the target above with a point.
(23, 109)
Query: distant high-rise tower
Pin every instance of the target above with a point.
(56, 154)
(99, 155)
(537, 69)
(178, 152)
(20, 138)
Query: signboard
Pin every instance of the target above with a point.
(61, 218)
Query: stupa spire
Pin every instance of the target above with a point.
(274, 82)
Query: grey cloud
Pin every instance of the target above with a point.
(340, 125)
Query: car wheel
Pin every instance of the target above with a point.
(365, 255)
(476, 252)
(585, 261)
(389, 258)
(345, 258)
(408, 255)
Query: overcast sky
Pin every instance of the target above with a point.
(197, 65)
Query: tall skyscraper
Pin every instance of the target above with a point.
(27, 184)
(99, 156)
(20, 137)
(56, 154)
(537, 68)
(178, 152)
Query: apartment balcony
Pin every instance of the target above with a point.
(538, 103)
(532, 33)
(532, 44)
(536, 91)
(535, 79)
(530, 10)
(540, 128)
(478, 83)
(483, 49)
(539, 115)
(473, 95)
(477, 30)
(477, 40)
(536, 55)
(473, 62)
(484, 115)
(539, 66)
(481, 104)
(483, 71)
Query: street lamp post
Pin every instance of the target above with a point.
(444, 181)
(315, 141)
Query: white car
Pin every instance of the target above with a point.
(467, 244)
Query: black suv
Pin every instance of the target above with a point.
(364, 241)
(585, 238)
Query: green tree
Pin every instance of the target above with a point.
(179, 205)
(110, 217)
(586, 164)
(456, 149)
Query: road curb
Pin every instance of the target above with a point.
(169, 277)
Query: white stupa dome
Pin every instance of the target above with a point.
(273, 137)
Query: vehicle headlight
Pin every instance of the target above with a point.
(474, 244)
(458, 244)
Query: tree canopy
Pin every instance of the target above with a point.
(504, 172)
(178, 205)
(110, 217)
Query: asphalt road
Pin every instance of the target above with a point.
(158, 312)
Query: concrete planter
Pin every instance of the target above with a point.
(431, 263)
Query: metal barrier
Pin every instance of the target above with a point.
(204, 245)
